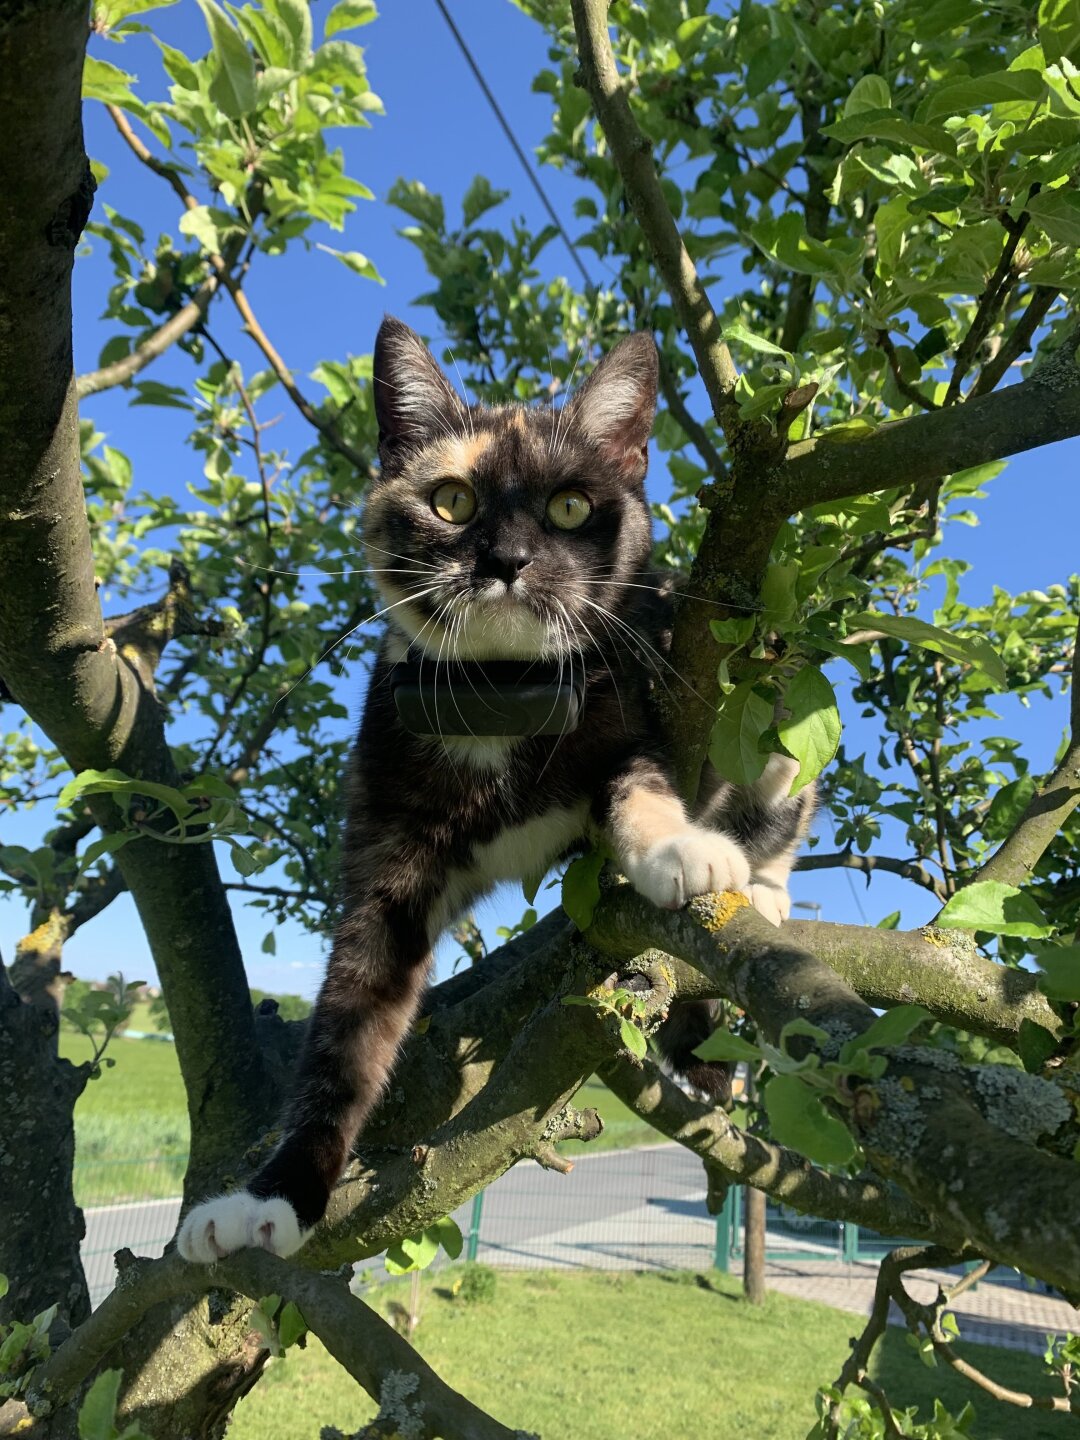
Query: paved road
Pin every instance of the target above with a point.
(634, 1209)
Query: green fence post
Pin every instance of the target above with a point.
(722, 1250)
(850, 1243)
(474, 1226)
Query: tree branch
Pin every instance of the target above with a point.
(155, 345)
(1040, 301)
(632, 153)
(938, 969)
(359, 1339)
(946, 1132)
(867, 864)
(1015, 860)
(746, 1159)
(691, 427)
(1040, 410)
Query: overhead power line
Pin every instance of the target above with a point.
(518, 151)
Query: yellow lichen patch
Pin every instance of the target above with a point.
(46, 938)
(933, 936)
(714, 911)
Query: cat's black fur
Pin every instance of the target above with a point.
(433, 822)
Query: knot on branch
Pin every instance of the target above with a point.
(141, 635)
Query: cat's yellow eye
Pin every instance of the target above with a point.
(454, 502)
(569, 509)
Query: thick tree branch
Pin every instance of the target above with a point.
(1040, 410)
(155, 345)
(747, 1159)
(938, 969)
(632, 153)
(958, 1142)
(358, 1338)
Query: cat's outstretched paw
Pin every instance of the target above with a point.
(769, 899)
(226, 1223)
(694, 862)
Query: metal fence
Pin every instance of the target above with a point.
(635, 1209)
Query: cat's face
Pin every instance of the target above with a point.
(508, 533)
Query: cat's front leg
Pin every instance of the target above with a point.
(665, 856)
(372, 989)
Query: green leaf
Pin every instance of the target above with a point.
(348, 14)
(798, 1118)
(733, 330)
(1000, 909)
(233, 87)
(357, 263)
(968, 650)
(97, 1414)
(870, 93)
(802, 1027)
(105, 845)
(1007, 806)
(733, 632)
(3, 1286)
(811, 729)
(1036, 1045)
(480, 197)
(581, 888)
(1059, 29)
(1058, 213)
(107, 83)
(449, 1236)
(295, 17)
(723, 1045)
(890, 922)
(199, 224)
(892, 221)
(291, 1325)
(733, 748)
(1060, 966)
(778, 593)
(993, 89)
(633, 1038)
(115, 782)
(888, 125)
(892, 1028)
(242, 859)
(767, 64)
(107, 13)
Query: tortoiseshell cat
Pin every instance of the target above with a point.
(502, 533)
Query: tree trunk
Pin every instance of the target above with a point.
(40, 1224)
(754, 1245)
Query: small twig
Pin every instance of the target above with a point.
(632, 153)
(177, 326)
(990, 302)
(240, 300)
(907, 389)
(1040, 300)
(867, 864)
(693, 428)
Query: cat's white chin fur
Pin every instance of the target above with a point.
(227, 1223)
(694, 862)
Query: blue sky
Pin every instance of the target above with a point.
(438, 129)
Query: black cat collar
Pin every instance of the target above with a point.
(486, 697)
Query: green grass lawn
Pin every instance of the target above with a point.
(131, 1125)
(660, 1357)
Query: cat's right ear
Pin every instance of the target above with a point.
(413, 398)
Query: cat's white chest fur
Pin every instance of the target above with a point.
(516, 852)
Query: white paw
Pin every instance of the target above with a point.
(694, 862)
(769, 899)
(226, 1223)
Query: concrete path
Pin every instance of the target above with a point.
(635, 1210)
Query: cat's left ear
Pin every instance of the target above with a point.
(616, 406)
